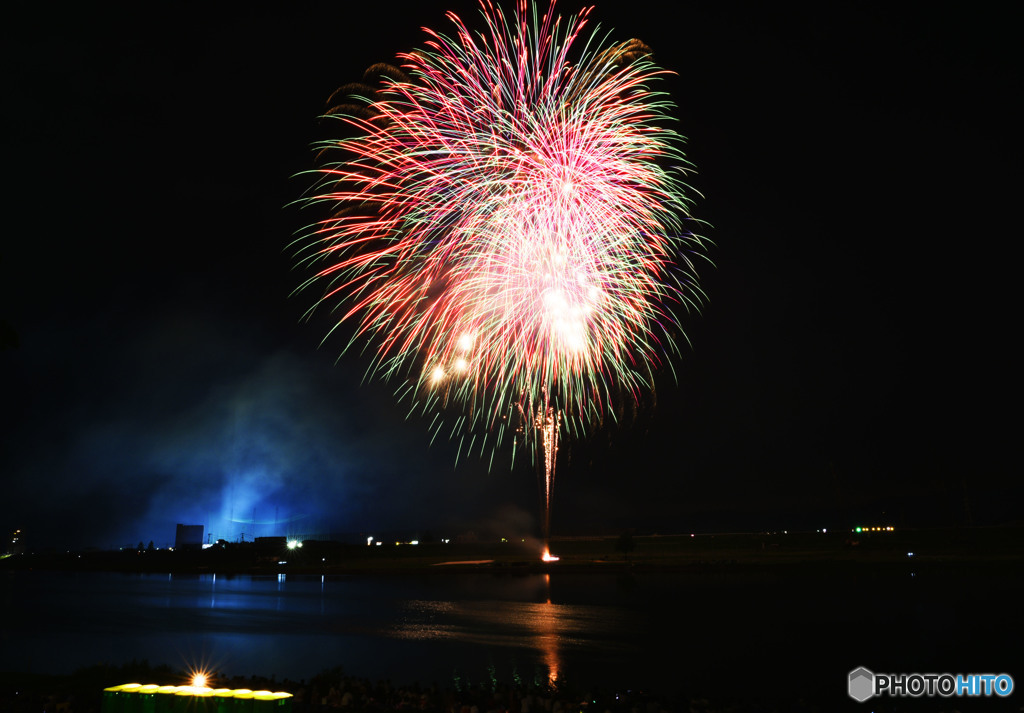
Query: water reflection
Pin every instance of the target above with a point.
(548, 628)
(547, 640)
(564, 629)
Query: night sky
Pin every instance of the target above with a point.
(854, 363)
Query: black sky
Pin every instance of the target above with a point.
(853, 363)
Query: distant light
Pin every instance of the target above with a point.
(414, 542)
(369, 541)
(856, 529)
(379, 544)
(199, 679)
(292, 544)
(910, 554)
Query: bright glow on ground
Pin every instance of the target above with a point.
(547, 556)
(199, 680)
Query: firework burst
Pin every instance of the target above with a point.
(510, 234)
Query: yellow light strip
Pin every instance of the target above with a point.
(199, 691)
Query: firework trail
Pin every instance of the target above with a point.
(510, 236)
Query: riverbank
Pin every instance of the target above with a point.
(331, 690)
(877, 549)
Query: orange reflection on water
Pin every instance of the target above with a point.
(548, 625)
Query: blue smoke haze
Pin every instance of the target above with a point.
(196, 424)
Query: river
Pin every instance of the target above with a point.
(741, 632)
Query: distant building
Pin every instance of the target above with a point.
(271, 544)
(188, 537)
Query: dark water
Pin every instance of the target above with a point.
(741, 633)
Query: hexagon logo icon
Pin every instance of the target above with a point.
(862, 684)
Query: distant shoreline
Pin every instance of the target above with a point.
(919, 550)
